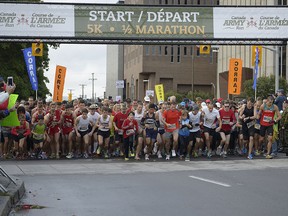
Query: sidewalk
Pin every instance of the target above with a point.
(14, 194)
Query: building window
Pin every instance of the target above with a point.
(185, 2)
(198, 51)
(211, 57)
(218, 2)
(166, 2)
(159, 50)
(198, 2)
(160, 2)
(146, 50)
(178, 53)
(166, 51)
(172, 54)
(284, 2)
(179, 2)
(192, 50)
(185, 50)
(153, 50)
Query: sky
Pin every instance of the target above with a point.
(81, 61)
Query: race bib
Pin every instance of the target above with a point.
(250, 124)
(226, 121)
(267, 119)
(130, 132)
(172, 126)
(257, 126)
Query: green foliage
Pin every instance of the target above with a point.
(202, 94)
(189, 95)
(179, 97)
(265, 86)
(13, 64)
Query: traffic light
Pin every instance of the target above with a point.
(205, 49)
(37, 49)
(259, 55)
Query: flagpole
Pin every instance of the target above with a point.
(36, 94)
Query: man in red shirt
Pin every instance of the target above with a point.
(171, 118)
(228, 120)
(117, 123)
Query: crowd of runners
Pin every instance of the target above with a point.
(137, 129)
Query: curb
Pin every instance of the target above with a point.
(15, 193)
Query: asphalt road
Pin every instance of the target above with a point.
(232, 187)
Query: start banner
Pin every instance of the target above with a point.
(159, 22)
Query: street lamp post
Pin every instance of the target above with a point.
(276, 51)
(83, 86)
(214, 89)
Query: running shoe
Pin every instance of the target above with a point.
(126, 159)
(70, 155)
(195, 155)
(159, 154)
(85, 155)
(223, 154)
(173, 153)
(98, 152)
(250, 157)
(269, 156)
(257, 153)
(209, 154)
(168, 157)
(219, 149)
(187, 158)
(146, 156)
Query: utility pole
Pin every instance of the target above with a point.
(93, 79)
(83, 86)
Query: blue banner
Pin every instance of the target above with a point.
(256, 68)
(31, 67)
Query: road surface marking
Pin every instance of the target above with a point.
(210, 181)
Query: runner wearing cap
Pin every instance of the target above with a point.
(171, 118)
(150, 124)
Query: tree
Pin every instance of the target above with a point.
(265, 86)
(13, 64)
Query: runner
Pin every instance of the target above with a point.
(266, 115)
(53, 119)
(83, 128)
(228, 120)
(104, 125)
(130, 128)
(195, 133)
(150, 124)
(171, 118)
(67, 123)
(210, 116)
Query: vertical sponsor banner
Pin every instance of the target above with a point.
(59, 83)
(159, 89)
(256, 68)
(235, 76)
(31, 67)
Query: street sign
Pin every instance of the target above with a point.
(120, 84)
